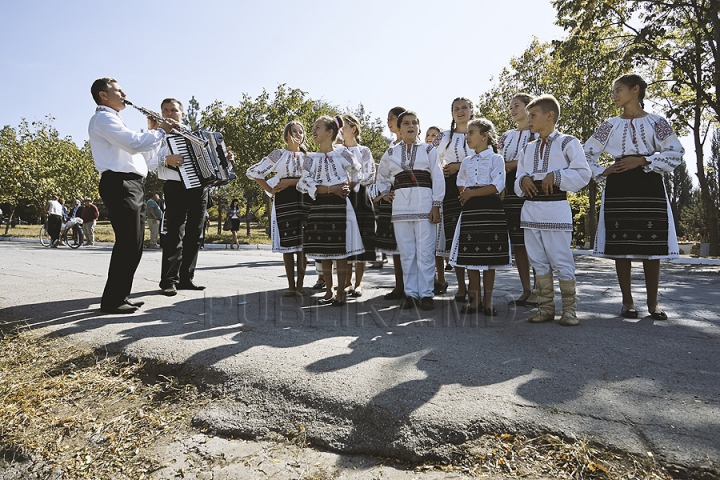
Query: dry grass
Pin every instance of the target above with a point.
(88, 416)
(548, 457)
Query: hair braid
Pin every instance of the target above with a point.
(452, 132)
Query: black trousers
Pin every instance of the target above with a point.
(54, 226)
(122, 194)
(182, 207)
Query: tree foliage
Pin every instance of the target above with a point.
(35, 162)
(578, 71)
(254, 128)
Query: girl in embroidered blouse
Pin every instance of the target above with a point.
(332, 231)
(481, 240)
(510, 146)
(431, 133)
(351, 135)
(636, 221)
(452, 149)
(287, 227)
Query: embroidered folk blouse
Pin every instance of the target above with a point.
(563, 156)
(650, 137)
(367, 175)
(412, 203)
(284, 163)
(327, 169)
(482, 169)
(512, 143)
(451, 153)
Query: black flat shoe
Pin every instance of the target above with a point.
(120, 309)
(490, 312)
(629, 313)
(394, 295)
(460, 298)
(189, 286)
(449, 268)
(658, 315)
(440, 288)
(410, 302)
(523, 303)
(319, 286)
(467, 309)
(338, 303)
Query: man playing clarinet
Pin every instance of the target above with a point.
(116, 150)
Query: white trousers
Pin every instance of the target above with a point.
(416, 242)
(549, 251)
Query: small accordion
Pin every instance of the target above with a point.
(202, 165)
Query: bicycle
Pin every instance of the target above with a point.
(73, 236)
(44, 236)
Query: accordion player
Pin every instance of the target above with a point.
(202, 166)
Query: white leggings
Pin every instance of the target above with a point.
(416, 243)
(549, 251)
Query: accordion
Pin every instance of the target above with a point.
(202, 165)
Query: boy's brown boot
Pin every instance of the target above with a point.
(546, 299)
(569, 303)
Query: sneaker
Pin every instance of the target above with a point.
(426, 303)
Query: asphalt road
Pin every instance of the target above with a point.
(372, 378)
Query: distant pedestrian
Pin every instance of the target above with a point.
(55, 219)
(89, 217)
(153, 218)
(233, 216)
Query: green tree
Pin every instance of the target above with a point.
(36, 162)
(253, 129)
(191, 119)
(679, 189)
(577, 71)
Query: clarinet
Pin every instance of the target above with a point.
(158, 118)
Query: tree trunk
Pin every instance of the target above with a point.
(10, 219)
(248, 202)
(711, 220)
(592, 212)
(220, 220)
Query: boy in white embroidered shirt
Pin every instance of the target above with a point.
(413, 171)
(548, 168)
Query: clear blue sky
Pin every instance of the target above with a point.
(383, 53)
(419, 54)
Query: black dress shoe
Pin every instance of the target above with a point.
(410, 302)
(123, 308)
(137, 304)
(169, 291)
(189, 285)
(394, 295)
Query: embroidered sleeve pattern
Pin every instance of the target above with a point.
(595, 146)
(669, 150)
(261, 169)
(578, 173)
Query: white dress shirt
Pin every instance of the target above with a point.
(482, 169)
(117, 148)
